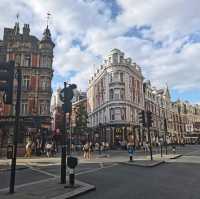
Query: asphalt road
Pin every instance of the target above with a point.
(177, 178)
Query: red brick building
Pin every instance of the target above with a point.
(34, 57)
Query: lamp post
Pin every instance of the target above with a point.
(100, 132)
(17, 108)
(66, 96)
(165, 129)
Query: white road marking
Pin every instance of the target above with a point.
(27, 184)
(96, 169)
(43, 172)
(52, 177)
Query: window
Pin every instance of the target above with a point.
(123, 113)
(112, 114)
(44, 83)
(121, 59)
(46, 61)
(18, 60)
(24, 108)
(27, 60)
(116, 76)
(43, 109)
(121, 77)
(122, 94)
(26, 82)
(117, 114)
(115, 58)
(111, 94)
(110, 77)
(117, 94)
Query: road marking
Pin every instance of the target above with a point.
(43, 172)
(101, 164)
(28, 184)
(52, 178)
(96, 169)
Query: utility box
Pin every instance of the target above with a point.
(72, 162)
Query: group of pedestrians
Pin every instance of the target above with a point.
(89, 148)
(38, 148)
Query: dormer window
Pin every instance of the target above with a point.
(115, 58)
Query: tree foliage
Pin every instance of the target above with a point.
(81, 117)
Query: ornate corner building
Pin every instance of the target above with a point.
(117, 92)
(115, 96)
(34, 57)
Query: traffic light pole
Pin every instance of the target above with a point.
(149, 123)
(150, 145)
(165, 128)
(16, 131)
(63, 155)
(69, 137)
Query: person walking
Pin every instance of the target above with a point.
(86, 151)
(48, 148)
(28, 150)
(90, 150)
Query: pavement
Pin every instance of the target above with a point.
(103, 158)
(48, 188)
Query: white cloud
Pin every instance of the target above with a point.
(171, 22)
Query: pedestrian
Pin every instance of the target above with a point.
(130, 147)
(86, 151)
(28, 150)
(38, 147)
(146, 148)
(48, 148)
(90, 150)
(173, 148)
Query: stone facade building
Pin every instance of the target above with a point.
(115, 96)
(181, 117)
(34, 57)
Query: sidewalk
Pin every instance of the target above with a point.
(48, 188)
(103, 158)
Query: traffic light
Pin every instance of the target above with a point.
(66, 96)
(141, 116)
(6, 80)
(149, 119)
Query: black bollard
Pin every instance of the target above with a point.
(71, 178)
(131, 158)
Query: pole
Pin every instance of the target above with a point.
(16, 131)
(63, 155)
(69, 138)
(165, 128)
(149, 138)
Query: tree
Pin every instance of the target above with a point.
(81, 118)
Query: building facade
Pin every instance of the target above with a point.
(34, 57)
(117, 92)
(115, 96)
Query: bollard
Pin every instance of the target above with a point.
(71, 177)
(131, 158)
(72, 162)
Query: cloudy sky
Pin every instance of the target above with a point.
(163, 37)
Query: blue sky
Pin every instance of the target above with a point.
(163, 37)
